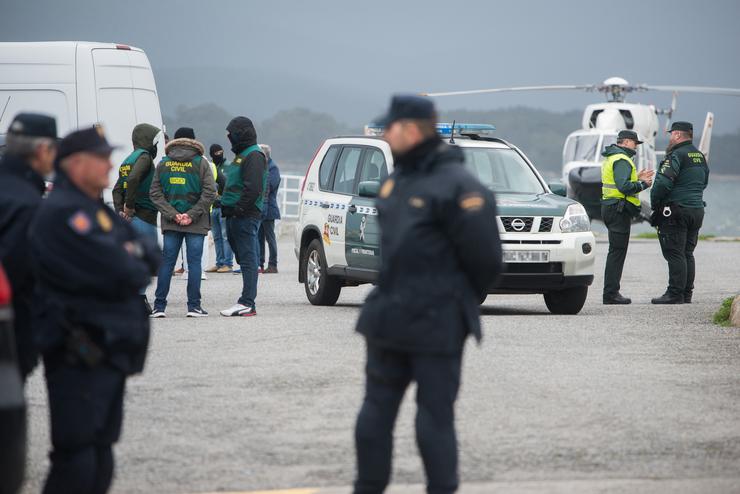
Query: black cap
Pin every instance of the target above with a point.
(33, 125)
(408, 107)
(628, 134)
(185, 133)
(682, 126)
(90, 140)
(216, 150)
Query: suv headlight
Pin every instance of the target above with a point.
(575, 220)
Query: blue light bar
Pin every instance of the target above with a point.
(443, 129)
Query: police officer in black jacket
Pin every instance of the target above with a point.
(29, 157)
(677, 199)
(92, 328)
(441, 251)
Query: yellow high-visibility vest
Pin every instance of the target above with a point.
(609, 188)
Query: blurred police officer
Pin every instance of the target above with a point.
(441, 251)
(620, 204)
(92, 328)
(29, 157)
(678, 200)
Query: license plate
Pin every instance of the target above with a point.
(526, 256)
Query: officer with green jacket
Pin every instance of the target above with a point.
(620, 204)
(131, 192)
(678, 203)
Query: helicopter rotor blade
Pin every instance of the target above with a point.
(724, 91)
(512, 89)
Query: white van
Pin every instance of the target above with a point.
(81, 84)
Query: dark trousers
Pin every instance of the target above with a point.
(242, 233)
(619, 225)
(267, 233)
(388, 374)
(86, 409)
(678, 237)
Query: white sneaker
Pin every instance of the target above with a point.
(184, 276)
(239, 310)
(157, 314)
(197, 312)
(203, 275)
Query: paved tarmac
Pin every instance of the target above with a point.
(616, 399)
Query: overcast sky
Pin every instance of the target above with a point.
(371, 49)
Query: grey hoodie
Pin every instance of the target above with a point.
(186, 150)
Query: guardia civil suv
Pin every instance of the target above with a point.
(547, 241)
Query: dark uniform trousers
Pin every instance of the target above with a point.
(86, 409)
(619, 224)
(678, 236)
(389, 373)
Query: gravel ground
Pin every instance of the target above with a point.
(555, 403)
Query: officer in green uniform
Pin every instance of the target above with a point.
(620, 204)
(678, 204)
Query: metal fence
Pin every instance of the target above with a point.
(289, 196)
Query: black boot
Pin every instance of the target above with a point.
(147, 306)
(667, 298)
(616, 299)
(687, 297)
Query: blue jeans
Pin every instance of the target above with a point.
(243, 240)
(172, 243)
(224, 255)
(147, 231)
(267, 233)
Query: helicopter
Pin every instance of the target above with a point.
(600, 124)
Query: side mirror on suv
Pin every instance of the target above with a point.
(369, 188)
(558, 189)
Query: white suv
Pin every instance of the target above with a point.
(547, 241)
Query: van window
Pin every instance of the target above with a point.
(347, 167)
(48, 101)
(374, 167)
(327, 165)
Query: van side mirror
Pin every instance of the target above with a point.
(369, 188)
(558, 189)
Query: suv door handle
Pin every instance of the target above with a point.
(352, 209)
(324, 205)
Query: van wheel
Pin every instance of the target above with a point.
(569, 301)
(321, 289)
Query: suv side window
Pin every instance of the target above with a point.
(327, 166)
(346, 170)
(374, 167)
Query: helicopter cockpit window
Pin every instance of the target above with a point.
(581, 148)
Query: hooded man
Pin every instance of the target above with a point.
(183, 190)
(131, 193)
(242, 203)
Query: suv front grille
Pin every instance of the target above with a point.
(545, 225)
(517, 224)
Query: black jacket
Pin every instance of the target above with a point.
(88, 278)
(242, 135)
(20, 197)
(441, 251)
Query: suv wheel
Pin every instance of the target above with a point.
(321, 289)
(568, 301)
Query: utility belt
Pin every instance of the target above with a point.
(624, 206)
(79, 348)
(664, 213)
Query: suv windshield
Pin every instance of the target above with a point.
(502, 170)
